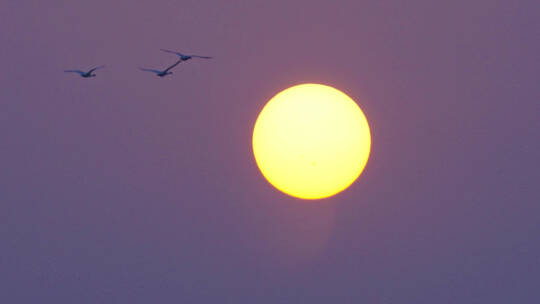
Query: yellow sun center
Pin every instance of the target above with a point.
(311, 141)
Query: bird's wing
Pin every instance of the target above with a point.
(74, 71)
(197, 56)
(172, 52)
(96, 68)
(172, 66)
(150, 70)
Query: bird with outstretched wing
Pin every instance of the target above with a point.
(85, 74)
(161, 73)
(185, 57)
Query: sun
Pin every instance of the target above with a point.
(311, 141)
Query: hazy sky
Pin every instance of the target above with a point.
(128, 188)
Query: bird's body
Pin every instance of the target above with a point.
(85, 74)
(184, 57)
(164, 72)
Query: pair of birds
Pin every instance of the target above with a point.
(163, 73)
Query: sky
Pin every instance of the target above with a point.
(129, 188)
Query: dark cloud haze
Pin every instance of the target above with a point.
(128, 188)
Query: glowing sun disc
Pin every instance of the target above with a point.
(311, 141)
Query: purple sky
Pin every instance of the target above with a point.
(128, 188)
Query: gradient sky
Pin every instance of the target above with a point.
(128, 188)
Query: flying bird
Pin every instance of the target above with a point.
(164, 72)
(184, 57)
(85, 74)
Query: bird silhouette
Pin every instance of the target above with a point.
(85, 74)
(185, 57)
(164, 72)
